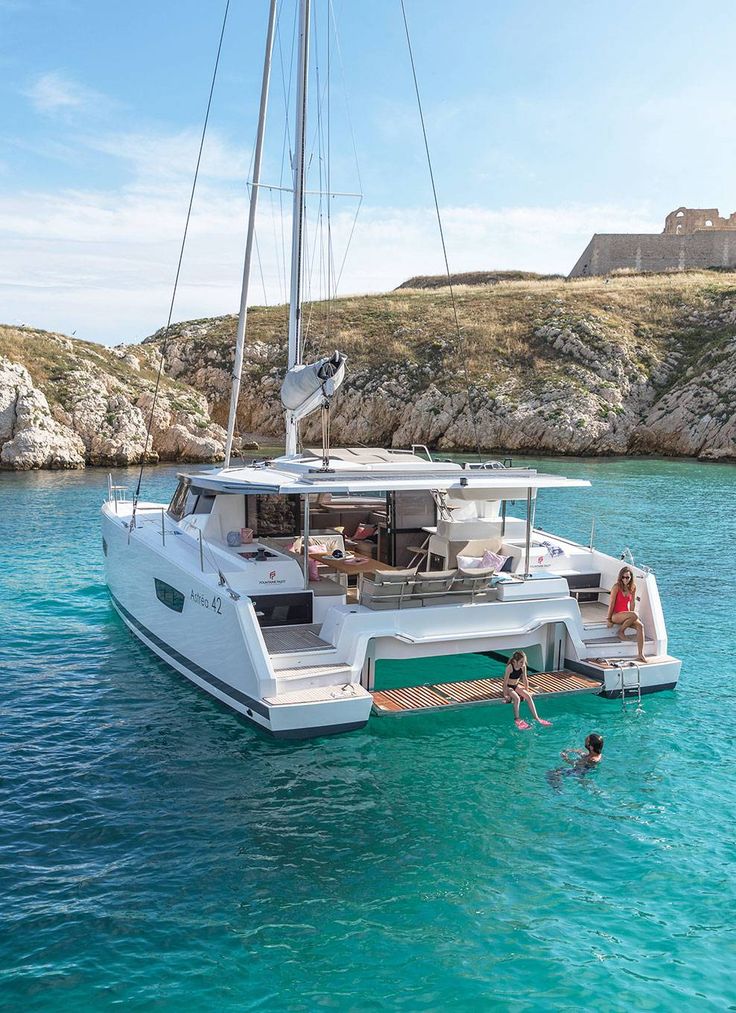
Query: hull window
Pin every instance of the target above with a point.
(169, 596)
(104, 545)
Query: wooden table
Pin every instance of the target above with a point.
(356, 565)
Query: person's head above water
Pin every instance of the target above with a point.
(594, 743)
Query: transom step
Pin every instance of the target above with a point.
(334, 672)
(316, 694)
(294, 639)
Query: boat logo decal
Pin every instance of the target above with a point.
(272, 579)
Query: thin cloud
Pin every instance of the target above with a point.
(102, 262)
(54, 93)
(153, 157)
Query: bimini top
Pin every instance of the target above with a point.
(364, 470)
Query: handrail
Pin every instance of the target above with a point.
(113, 490)
(424, 447)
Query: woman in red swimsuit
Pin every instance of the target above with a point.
(621, 609)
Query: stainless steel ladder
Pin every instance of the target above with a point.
(623, 667)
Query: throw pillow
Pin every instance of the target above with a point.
(364, 531)
(492, 559)
(469, 562)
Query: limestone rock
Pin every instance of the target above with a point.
(29, 434)
(100, 413)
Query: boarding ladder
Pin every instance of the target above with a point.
(627, 688)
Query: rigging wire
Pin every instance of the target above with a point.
(328, 150)
(346, 101)
(178, 267)
(260, 268)
(285, 146)
(322, 96)
(460, 337)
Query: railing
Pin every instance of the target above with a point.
(162, 511)
(423, 447)
(116, 493)
(222, 579)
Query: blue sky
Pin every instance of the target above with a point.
(547, 122)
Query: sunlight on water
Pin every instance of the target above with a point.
(159, 854)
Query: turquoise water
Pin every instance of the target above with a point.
(158, 854)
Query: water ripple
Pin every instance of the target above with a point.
(157, 853)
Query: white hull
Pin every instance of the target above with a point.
(215, 641)
(207, 626)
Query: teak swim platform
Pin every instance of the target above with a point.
(475, 691)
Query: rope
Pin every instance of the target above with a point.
(460, 338)
(178, 267)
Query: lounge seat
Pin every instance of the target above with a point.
(466, 586)
(317, 541)
(362, 547)
(476, 547)
(400, 589)
(388, 589)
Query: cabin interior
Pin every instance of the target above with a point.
(425, 548)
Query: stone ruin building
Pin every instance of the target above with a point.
(691, 238)
(685, 221)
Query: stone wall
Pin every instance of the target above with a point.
(608, 252)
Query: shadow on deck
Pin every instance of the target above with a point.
(476, 691)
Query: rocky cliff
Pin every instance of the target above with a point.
(67, 403)
(630, 364)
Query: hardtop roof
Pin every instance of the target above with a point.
(361, 470)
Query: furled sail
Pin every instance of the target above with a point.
(308, 387)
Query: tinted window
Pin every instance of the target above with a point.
(190, 503)
(178, 500)
(204, 504)
(169, 596)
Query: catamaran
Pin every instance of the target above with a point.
(279, 586)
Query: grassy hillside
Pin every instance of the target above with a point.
(52, 358)
(594, 365)
(648, 315)
(474, 278)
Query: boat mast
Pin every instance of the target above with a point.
(243, 313)
(292, 426)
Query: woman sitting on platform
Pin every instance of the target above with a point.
(516, 689)
(621, 608)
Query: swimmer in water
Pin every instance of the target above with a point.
(587, 758)
(581, 761)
